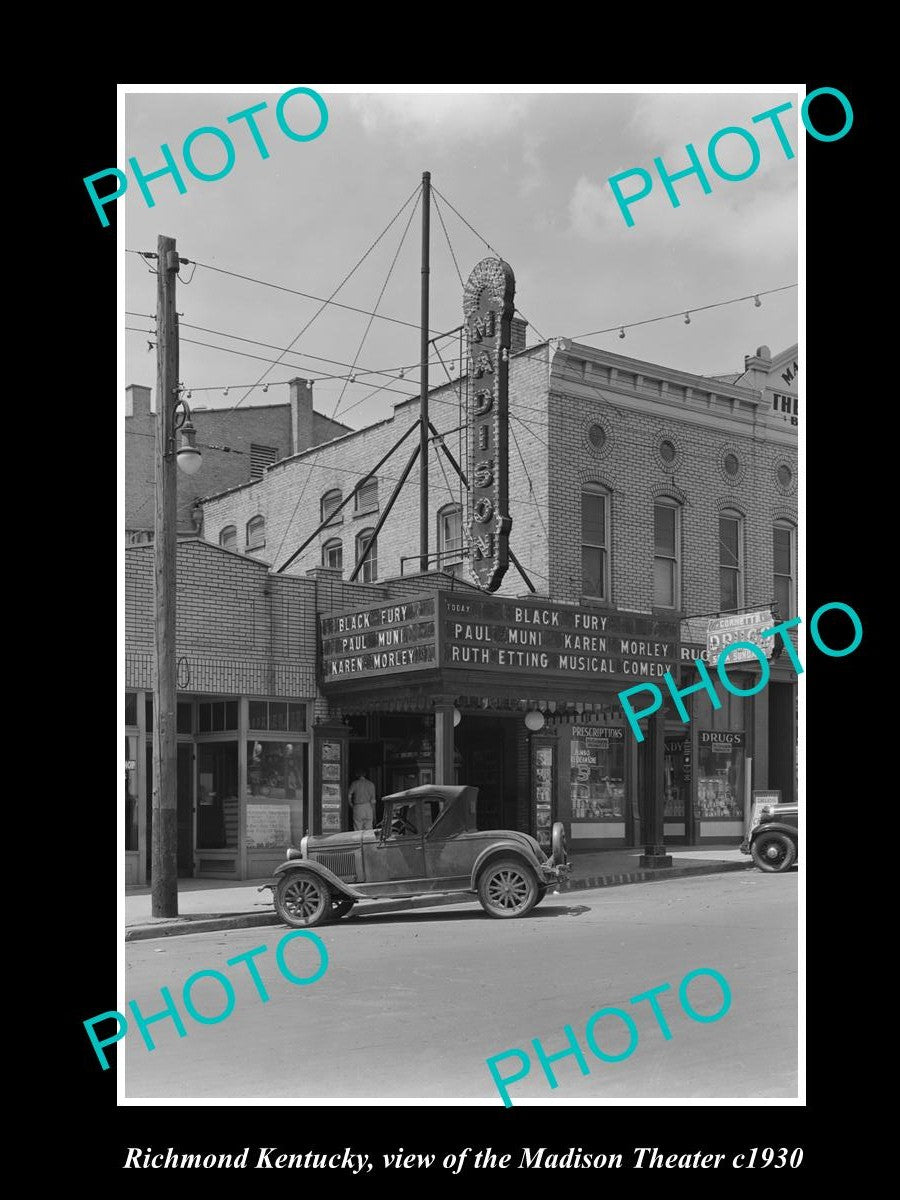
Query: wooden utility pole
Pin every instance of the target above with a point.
(423, 376)
(164, 827)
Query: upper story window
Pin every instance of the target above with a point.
(329, 504)
(260, 458)
(666, 553)
(256, 533)
(333, 555)
(784, 568)
(449, 537)
(595, 517)
(228, 537)
(369, 572)
(367, 497)
(731, 561)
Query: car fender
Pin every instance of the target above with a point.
(334, 882)
(774, 827)
(497, 850)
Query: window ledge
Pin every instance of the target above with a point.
(365, 512)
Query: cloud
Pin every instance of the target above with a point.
(748, 220)
(454, 115)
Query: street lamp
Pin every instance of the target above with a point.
(188, 457)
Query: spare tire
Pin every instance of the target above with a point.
(558, 843)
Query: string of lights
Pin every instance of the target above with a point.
(531, 424)
(686, 313)
(360, 372)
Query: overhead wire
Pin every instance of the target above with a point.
(492, 250)
(340, 398)
(348, 276)
(292, 291)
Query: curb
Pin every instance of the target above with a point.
(184, 925)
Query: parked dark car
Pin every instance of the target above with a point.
(427, 842)
(773, 840)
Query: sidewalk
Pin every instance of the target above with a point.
(206, 905)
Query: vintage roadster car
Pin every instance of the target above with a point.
(773, 839)
(426, 843)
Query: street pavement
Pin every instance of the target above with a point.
(412, 1004)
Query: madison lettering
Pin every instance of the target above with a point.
(488, 308)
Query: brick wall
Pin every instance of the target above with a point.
(555, 396)
(290, 494)
(629, 465)
(238, 429)
(238, 629)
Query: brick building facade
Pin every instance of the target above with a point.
(640, 497)
(237, 445)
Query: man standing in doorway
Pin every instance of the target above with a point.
(362, 797)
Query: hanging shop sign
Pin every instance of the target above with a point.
(739, 627)
(488, 309)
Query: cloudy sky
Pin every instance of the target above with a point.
(528, 171)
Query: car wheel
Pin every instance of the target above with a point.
(340, 907)
(773, 852)
(541, 893)
(302, 899)
(507, 888)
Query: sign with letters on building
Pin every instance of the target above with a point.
(739, 627)
(456, 631)
(488, 308)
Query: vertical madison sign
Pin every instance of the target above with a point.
(488, 309)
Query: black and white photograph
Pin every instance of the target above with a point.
(465, 637)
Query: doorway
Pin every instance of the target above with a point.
(185, 792)
(184, 782)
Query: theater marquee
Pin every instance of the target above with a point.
(456, 635)
(488, 308)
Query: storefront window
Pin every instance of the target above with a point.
(274, 769)
(217, 716)
(218, 807)
(720, 776)
(131, 708)
(677, 776)
(131, 794)
(275, 786)
(184, 716)
(597, 768)
(277, 715)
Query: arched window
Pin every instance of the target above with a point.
(367, 497)
(256, 533)
(330, 502)
(731, 560)
(333, 554)
(595, 541)
(784, 568)
(449, 537)
(228, 537)
(369, 572)
(666, 553)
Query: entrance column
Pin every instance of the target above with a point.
(654, 775)
(443, 741)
